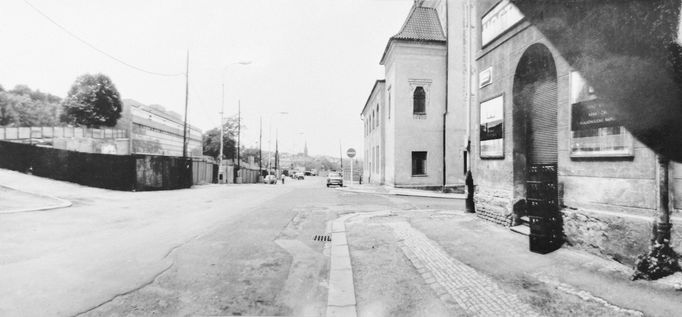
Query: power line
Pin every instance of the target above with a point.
(97, 49)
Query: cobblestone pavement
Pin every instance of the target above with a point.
(456, 283)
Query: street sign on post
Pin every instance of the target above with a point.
(351, 154)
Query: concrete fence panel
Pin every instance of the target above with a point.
(118, 172)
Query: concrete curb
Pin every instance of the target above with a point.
(399, 192)
(61, 203)
(341, 296)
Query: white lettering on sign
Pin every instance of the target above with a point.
(503, 16)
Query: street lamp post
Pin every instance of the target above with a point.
(222, 107)
(270, 138)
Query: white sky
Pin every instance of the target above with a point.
(315, 59)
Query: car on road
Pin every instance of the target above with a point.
(334, 179)
(270, 179)
(299, 175)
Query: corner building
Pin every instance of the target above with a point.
(530, 108)
(415, 119)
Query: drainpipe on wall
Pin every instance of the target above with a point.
(447, 82)
(663, 224)
(661, 260)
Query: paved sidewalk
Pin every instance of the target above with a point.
(455, 282)
(14, 201)
(387, 190)
(477, 268)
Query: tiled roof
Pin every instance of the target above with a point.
(422, 24)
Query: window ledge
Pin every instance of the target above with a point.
(420, 175)
(419, 115)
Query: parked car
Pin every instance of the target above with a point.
(334, 179)
(299, 175)
(270, 179)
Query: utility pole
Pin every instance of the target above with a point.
(239, 136)
(184, 131)
(340, 155)
(222, 128)
(260, 148)
(276, 152)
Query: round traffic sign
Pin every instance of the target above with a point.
(351, 152)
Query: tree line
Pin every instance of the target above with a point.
(92, 101)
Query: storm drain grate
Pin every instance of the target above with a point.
(326, 238)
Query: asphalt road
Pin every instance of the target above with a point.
(209, 250)
(69, 261)
(229, 250)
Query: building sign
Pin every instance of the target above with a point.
(502, 17)
(591, 114)
(492, 128)
(594, 131)
(485, 77)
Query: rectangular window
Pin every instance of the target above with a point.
(389, 102)
(378, 164)
(594, 131)
(418, 163)
(378, 116)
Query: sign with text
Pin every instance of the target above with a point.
(485, 77)
(499, 19)
(351, 152)
(591, 114)
(491, 128)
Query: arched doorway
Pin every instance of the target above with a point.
(535, 139)
(535, 89)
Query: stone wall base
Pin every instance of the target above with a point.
(614, 235)
(620, 237)
(494, 205)
(457, 189)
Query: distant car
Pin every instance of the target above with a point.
(334, 179)
(270, 179)
(299, 175)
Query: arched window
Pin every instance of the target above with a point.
(419, 100)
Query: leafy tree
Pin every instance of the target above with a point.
(22, 106)
(8, 114)
(93, 101)
(211, 139)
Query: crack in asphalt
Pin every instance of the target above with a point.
(127, 292)
(145, 284)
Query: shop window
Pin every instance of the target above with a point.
(419, 100)
(594, 131)
(418, 163)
